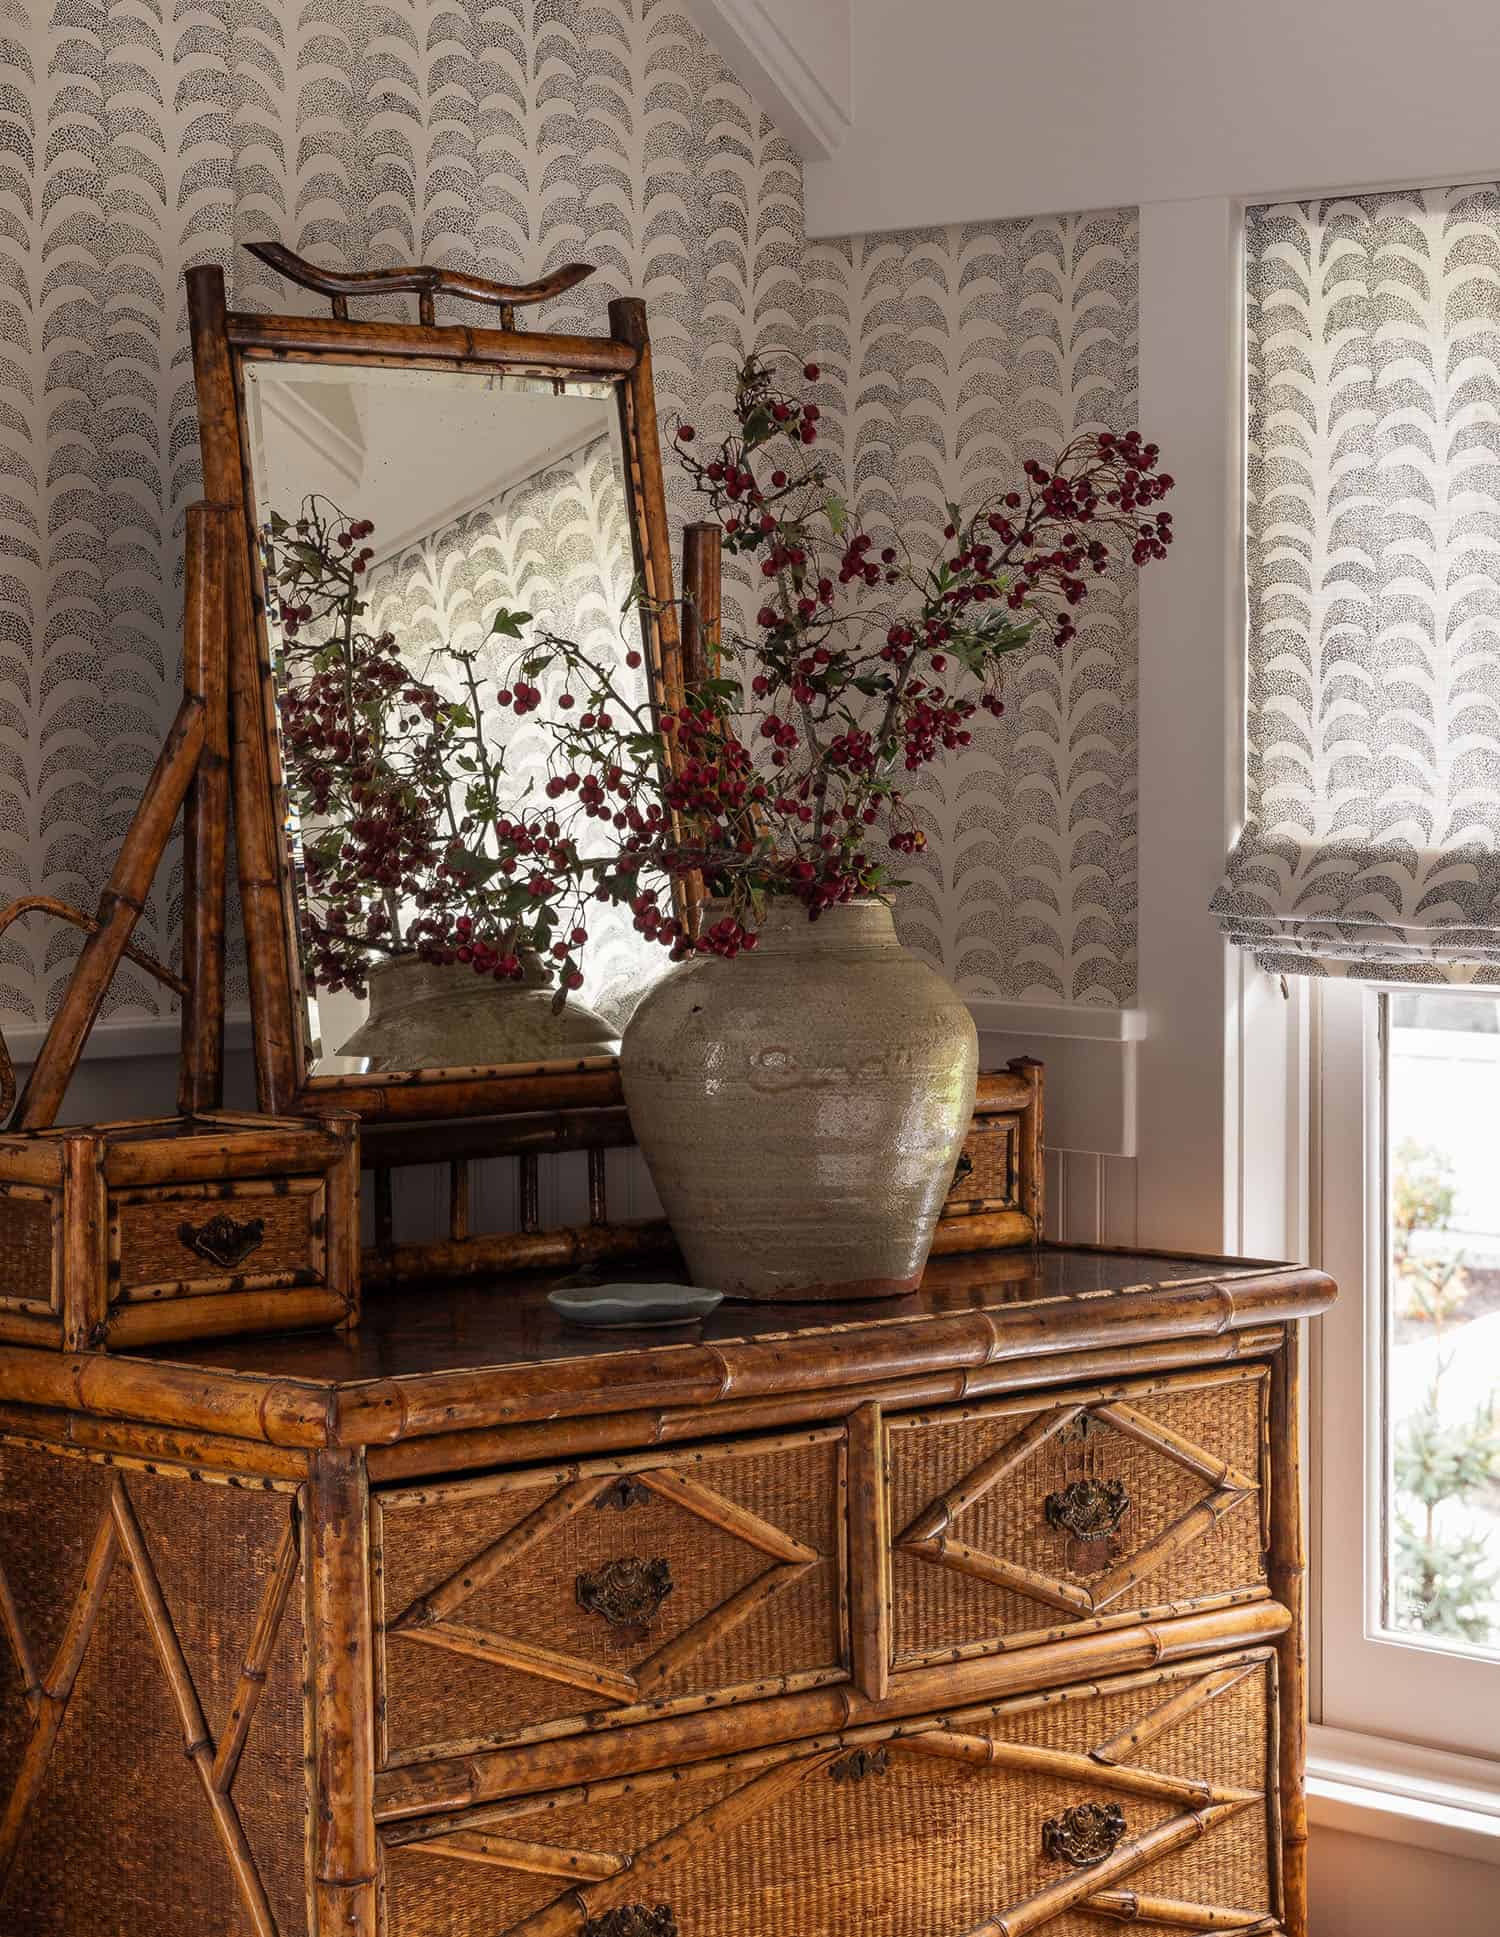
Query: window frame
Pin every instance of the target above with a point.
(1373, 1682)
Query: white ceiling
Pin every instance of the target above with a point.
(409, 450)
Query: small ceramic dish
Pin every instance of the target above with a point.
(633, 1304)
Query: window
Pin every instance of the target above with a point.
(1439, 1451)
(1369, 861)
(1406, 1514)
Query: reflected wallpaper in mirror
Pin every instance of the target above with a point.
(446, 497)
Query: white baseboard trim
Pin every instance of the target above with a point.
(117, 1038)
(1079, 1021)
(1425, 1798)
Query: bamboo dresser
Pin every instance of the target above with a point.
(970, 1616)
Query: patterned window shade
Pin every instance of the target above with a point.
(1373, 842)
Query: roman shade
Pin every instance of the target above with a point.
(1372, 843)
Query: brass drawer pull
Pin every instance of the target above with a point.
(1088, 1509)
(858, 1764)
(622, 1493)
(632, 1920)
(1086, 1833)
(628, 1592)
(224, 1240)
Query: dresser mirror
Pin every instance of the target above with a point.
(399, 513)
(415, 501)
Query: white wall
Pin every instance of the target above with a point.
(966, 110)
(1362, 1887)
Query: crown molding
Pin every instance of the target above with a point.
(805, 88)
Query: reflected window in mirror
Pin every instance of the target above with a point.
(399, 511)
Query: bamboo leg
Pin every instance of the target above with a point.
(340, 1645)
(1288, 1578)
(205, 822)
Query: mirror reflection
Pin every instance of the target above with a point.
(399, 511)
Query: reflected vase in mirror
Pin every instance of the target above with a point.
(401, 511)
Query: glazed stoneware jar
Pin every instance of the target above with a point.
(803, 1106)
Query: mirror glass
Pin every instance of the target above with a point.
(452, 495)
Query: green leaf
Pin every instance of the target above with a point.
(475, 868)
(508, 624)
(837, 514)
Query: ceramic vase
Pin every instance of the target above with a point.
(803, 1106)
(424, 1015)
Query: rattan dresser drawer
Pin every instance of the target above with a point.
(195, 1239)
(1027, 1519)
(1145, 1795)
(538, 1602)
(130, 1235)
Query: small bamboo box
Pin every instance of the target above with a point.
(131, 1234)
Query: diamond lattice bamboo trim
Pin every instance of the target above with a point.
(428, 1619)
(120, 1539)
(930, 1535)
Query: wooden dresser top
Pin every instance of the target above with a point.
(492, 1356)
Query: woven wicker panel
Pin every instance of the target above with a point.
(928, 1848)
(26, 1249)
(986, 1175)
(153, 1251)
(120, 1841)
(437, 1700)
(936, 1607)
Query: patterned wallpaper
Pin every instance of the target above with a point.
(138, 138)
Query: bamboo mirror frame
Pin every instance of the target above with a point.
(225, 344)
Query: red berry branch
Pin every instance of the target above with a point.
(782, 775)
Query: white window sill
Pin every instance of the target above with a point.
(1400, 1794)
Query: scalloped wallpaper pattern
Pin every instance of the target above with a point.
(138, 138)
